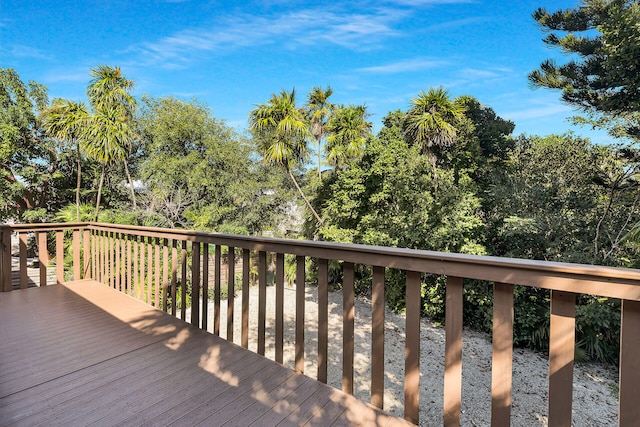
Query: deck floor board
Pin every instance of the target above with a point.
(84, 354)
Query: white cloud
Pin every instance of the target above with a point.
(447, 25)
(429, 2)
(23, 51)
(537, 112)
(355, 31)
(409, 65)
(475, 74)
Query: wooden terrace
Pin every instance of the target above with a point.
(81, 353)
(104, 346)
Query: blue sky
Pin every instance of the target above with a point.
(234, 55)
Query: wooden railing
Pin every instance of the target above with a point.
(155, 264)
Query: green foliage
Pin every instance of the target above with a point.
(34, 170)
(601, 78)
(390, 198)
(199, 173)
(432, 122)
(348, 131)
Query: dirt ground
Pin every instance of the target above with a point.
(595, 402)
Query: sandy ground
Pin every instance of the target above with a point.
(594, 401)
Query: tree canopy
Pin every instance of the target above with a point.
(602, 78)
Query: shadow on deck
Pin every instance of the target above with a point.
(83, 353)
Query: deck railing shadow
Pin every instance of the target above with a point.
(169, 269)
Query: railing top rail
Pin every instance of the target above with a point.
(580, 278)
(617, 272)
(43, 226)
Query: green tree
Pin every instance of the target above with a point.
(432, 121)
(67, 120)
(109, 131)
(318, 111)
(602, 78)
(348, 130)
(282, 134)
(199, 173)
(33, 168)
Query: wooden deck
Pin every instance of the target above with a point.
(85, 354)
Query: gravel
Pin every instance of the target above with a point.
(594, 399)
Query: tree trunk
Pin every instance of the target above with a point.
(319, 173)
(133, 193)
(99, 191)
(304, 197)
(78, 182)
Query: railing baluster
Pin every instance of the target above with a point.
(129, 265)
(231, 284)
(323, 319)
(112, 256)
(136, 267)
(149, 297)
(246, 270)
(217, 261)
(76, 255)
(502, 352)
(629, 410)
(24, 279)
(143, 270)
(43, 257)
(86, 254)
(562, 340)
(262, 299)
(157, 290)
(183, 287)
(279, 307)
(453, 351)
(195, 284)
(6, 260)
(205, 285)
(377, 338)
(59, 257)
(174, 275)
(412, 348)
(348, 316)
(117, 252)
(94, 255)
(300, 302)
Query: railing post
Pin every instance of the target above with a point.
(377, 337)
(279, 306)
(300, 303)
(24, 278)
(231, 290)
(5, 259)
(217, 283)
(348, 320)
(323, 319)
(562, 333)
(246, 270)
(502, 355)
(59, 257)
(262, 299)
(453, 351)
(43, 257)
(412, 348)
(629, 410)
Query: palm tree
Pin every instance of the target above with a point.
(282, 134)
(348, 130)
(66, 120)
(318, 111)
(432, 122)
(111, 135)
(109, 140)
